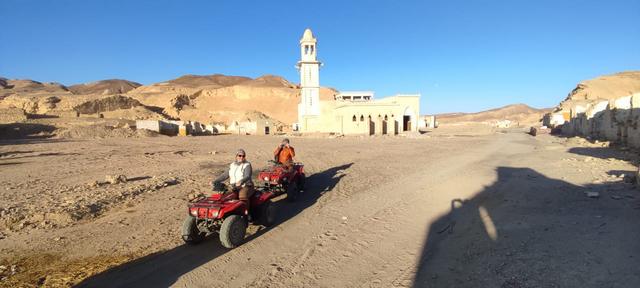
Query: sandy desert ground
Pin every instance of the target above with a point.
(460, 206)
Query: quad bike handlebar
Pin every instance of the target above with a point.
(223, 187)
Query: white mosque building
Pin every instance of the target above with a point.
(350, 112)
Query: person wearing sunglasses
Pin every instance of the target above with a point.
(239, 175)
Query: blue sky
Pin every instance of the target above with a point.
(460, 55)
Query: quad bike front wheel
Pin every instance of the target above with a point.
(232, 231)
(190, 232)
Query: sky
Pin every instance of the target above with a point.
(461, 56)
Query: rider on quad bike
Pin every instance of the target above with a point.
(284, 154)
(239, 175)
(227, 213)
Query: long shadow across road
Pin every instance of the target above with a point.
(164, 268)
(529, 230)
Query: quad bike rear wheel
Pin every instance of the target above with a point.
(267, 213)
(232, 231)
(294, 189)
(292, 192)
(190, 232)
(300, 181)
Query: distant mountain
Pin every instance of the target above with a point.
(519, 113)
(201, 81)
(26, 86)
(105, 87)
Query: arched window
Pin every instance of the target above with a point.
(385, 117)
(306, 49)
(354, 118)
(361, 118)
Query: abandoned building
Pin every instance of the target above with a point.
(252, 127)
(615, 120)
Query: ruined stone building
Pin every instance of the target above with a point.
(615, 120)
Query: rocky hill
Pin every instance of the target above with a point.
(220, 98)
(606, 87)
(25, 86)
(105, 87)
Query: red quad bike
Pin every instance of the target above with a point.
(225, 214)
(277, 179)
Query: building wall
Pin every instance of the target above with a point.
(379, 117)
(615, 120)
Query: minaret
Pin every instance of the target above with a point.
(309, 78)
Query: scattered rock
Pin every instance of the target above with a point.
(170, 182)
(116, 179)
(592, 194)
(616, 197)
(94, 184)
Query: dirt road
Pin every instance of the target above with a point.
(445, 209)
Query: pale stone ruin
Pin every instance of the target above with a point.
(252, 127)
(430, 122)
(614, 120)
(172, 128)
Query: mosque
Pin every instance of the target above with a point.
(350, 112)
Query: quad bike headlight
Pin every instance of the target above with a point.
(193, 212)
(266, 178)
(212, 213)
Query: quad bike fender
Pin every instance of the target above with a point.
(236, 207)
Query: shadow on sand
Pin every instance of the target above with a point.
(164, 268)
(26, 133)
(528, 230)
(603, 153)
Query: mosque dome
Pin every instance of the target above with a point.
(308, 35)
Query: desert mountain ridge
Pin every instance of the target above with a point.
(204, 98)
(106, 87)
(520, 113)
